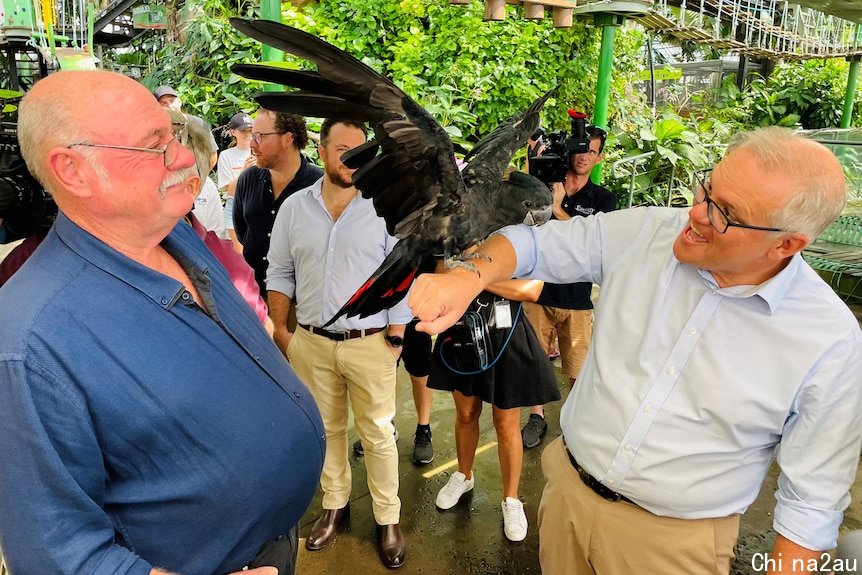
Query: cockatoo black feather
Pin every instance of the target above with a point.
(408, 170)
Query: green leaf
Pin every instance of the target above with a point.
(668, 129)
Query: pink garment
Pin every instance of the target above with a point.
(239, 271)
(19, 254)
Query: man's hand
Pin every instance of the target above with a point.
(282, 337)
(439, 300)
(257, 571)
(558, 193)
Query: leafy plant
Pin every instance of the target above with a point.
(201, 75)
(675, 148)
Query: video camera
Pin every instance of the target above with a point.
(24, 206)
(553, 164)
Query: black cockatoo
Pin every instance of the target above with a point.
(408, 169)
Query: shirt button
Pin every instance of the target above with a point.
(164, 301)
(269, 235)
(671, 371)
(264, 258)
(648, 409)
(272, 212)
(629, 448)
(692, 330)
(611, 482)
(295, 394)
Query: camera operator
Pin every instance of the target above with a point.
(567, 308)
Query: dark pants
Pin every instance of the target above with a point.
(279, 553)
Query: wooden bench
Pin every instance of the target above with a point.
(837, 256)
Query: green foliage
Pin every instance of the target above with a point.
(678, 147)
(806, 94)
(201, 75)
(470, 74)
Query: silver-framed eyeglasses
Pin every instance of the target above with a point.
(169, 151)
(717, 216)
(257, 137)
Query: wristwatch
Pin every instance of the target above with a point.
(394, 340)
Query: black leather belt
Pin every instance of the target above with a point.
(341, 335)
(598, 488)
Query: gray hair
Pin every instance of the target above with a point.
(194, 136)
(44, 122)
(818, 195)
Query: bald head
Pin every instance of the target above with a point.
(69, 107)
(812, 175)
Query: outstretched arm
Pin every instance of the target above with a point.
(517, 290)
(439, 299)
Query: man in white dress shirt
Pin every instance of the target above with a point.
(716, 348)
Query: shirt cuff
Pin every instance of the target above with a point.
(524, 243)
(281, 285)
(812, 527)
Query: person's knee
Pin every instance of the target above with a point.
(468, 415)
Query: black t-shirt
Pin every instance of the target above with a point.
(255, 208)
(591, 199)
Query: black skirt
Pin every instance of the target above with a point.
(507, 368)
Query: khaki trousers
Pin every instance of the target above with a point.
(574, 332)
(360, 372)
(581, 533)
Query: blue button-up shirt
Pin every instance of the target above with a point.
(136, 429)
(320, 263)
(689, 389)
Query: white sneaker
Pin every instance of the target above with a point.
(457, 486)
(514, 520)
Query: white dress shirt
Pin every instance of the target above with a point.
(320, 263)
(690, 389)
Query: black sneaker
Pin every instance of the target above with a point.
(534, 431)
(359, 451)
(423, 451)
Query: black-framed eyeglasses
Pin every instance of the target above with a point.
(169, 151)
(257, 137)
(717, 216)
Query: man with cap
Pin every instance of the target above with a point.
(167, 97)
(231, 163)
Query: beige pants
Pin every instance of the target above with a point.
(580, 533)
(360, 371)
(574, 331)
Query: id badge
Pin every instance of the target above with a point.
(502, 315)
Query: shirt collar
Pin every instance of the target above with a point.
(771, 292)
(163, 290)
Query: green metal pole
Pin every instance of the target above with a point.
(850, 92)
(852, 75)
(608, 23)
(271, 10)
(91, 21)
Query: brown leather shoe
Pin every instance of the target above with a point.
(324, 529)
(391, 545)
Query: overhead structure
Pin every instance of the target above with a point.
(38, 36)
(774, 29)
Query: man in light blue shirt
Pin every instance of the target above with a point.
(327, 240)
(716, 347)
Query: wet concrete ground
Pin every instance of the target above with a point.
(469, 537)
